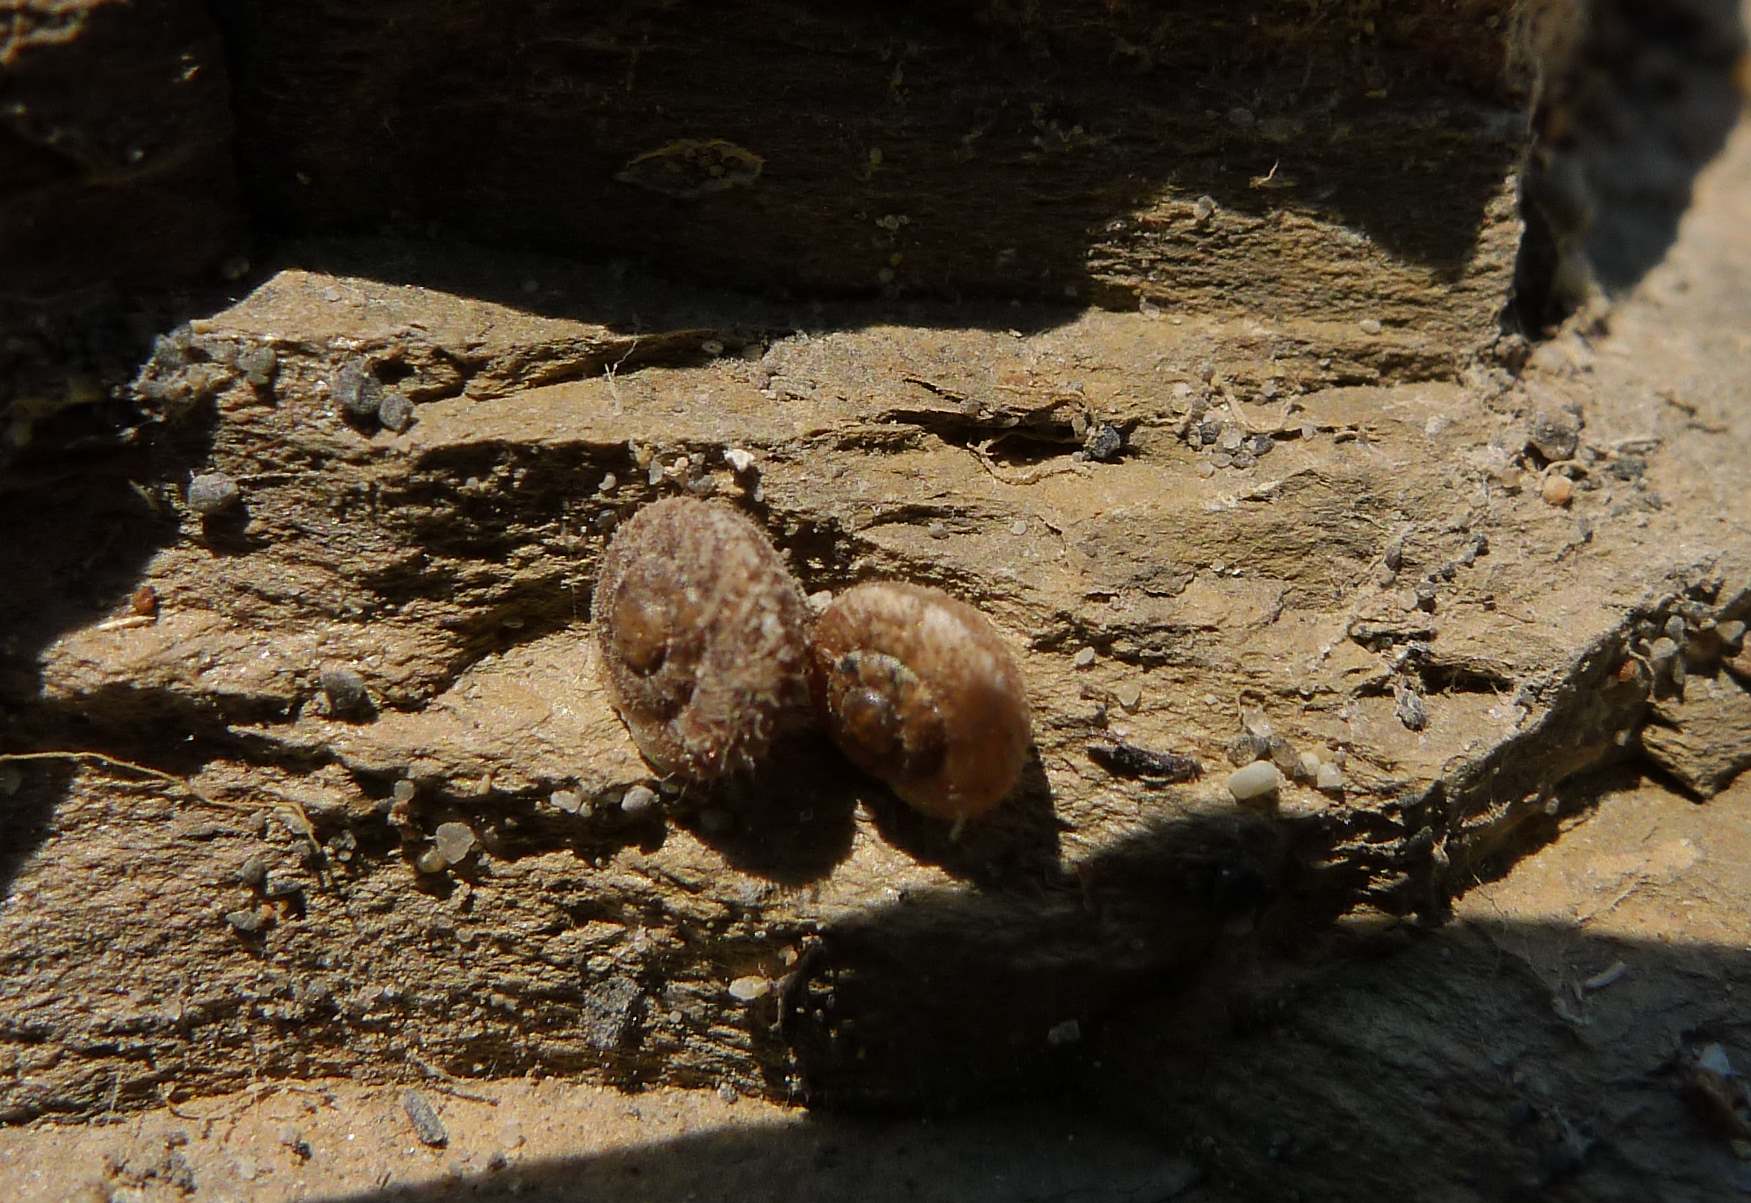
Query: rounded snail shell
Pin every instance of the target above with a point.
(919, 690)
(702, 630)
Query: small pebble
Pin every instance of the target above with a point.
(747, 989)
(453, 841)
(1329, 779)
(426, 1124)
(1130, 696)
(396, 412)
(254, 873)
(639, 800)
(1732, 632)
(357, 392)
(1555, 433)
(431, 861)
(403, 791)
(566, 800)
(1662, 649)
(1104, 442)
(1068, 1032)
(727, 1093)
(1083, 658)
(344, 689)
(247, 922)
(1018, 527)
(1410, 710)
(257, 365)
(1310, 765)
(212, 493)
(1256, 782)
(1369, 325)
(1557, 489)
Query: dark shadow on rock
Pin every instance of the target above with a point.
(1017, 843)
(1622, 133)
(950, 995)
(955, 151)
(1407, 1062)
(791, 823)
(88, 498)
(1027, 1153)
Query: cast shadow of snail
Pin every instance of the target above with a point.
(796, 821)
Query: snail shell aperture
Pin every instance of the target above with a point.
(702, 630)
(919, 690)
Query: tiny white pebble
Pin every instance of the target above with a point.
(1369, 325)
(712, 346)
(1330, 779)
(738, 459)
(402, 791)
(1083, 658)
(1255, 782)
(1018, 527)
(747, 989)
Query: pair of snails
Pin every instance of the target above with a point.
(710, 655)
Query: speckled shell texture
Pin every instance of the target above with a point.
(920, 690)
(703, 636)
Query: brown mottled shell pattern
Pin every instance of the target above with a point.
(920, 690)
(703, 635)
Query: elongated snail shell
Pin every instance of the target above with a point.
(703, 635)
(919, 690)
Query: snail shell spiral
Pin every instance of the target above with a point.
(703, 635)
(919, 690)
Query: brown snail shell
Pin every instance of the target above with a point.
(919, 690)
(703, 634)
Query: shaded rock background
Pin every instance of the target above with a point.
(309, 774)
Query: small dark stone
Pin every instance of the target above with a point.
(426, 1124)
(396, 412)
(1261, 444)
(257, 365)
(212, 493)
(1411, 711)
(247, 922)
(345, 690)
(1104, 442)
(1244, 749)
(611, 1014)
(357, 392)
(1128, 760)
(1627, 467)
(254, 873)
(1555, 434)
